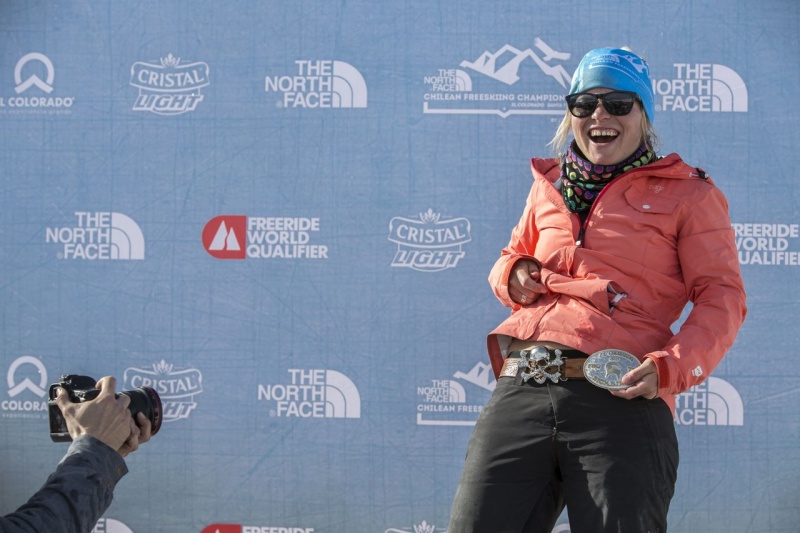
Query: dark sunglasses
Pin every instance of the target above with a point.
(617, 103)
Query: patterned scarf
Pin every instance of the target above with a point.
(582, 181)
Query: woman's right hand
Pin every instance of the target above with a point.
(524, 282)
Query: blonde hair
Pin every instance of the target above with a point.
(561, 139)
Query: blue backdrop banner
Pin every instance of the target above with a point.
(282, 216)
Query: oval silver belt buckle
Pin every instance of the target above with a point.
(605, 368)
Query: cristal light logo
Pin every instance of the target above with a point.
(499, 89)
(238, 528)
(34, 77)
(443, 402)
(169, 87)
(701, 87)
(430, 244)
(109, 525)
(313, 394)
(712, 403)
(241, 237)
(422, 527)
(98, 236)
(767, 244)
(27, 389)
(176, 388)
(319, 84)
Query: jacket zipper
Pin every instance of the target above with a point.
(582, 230)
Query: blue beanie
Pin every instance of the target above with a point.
(617, 69)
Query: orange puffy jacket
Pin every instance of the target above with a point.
(662, 235)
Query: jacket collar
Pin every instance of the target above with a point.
(670, 166)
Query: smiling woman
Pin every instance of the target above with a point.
(612, 245)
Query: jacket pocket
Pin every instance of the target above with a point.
(650, 203)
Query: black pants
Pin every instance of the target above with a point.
(536, 448)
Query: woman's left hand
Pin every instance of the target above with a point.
(642, 381)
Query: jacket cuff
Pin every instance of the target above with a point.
(662, 362)
(98, 456)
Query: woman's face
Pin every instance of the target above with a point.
(606, 139)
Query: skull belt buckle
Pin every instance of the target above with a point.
(536, 364)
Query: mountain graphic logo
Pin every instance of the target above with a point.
(224, 236)
(223, 528)
(480, 375)
(504, 64)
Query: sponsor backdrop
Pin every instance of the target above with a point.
(282, 215)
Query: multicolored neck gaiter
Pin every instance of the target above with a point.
(582, 181)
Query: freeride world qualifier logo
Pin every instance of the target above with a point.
(98, 236)
(241, 237)
(319, 84)
(34, 77)
(767, 244)
(444, 402)
(430, 243)
(312, 394)
(712, 403)
(238, 528)
(507, 81)
(701, 87)
(176, 388)
(169, 87)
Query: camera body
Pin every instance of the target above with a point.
(82, 389)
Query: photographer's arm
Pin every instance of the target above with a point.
(77, 494)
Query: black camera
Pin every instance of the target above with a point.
(82, 388)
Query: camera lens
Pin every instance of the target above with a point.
(146, 400)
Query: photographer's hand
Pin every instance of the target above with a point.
(140, 433)
(105, 418)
